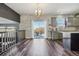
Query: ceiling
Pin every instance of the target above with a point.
(6, 21)
(47, 8)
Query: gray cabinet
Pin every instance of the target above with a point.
(67, 44)
(67, 40)
(20, 35)
(56, 35)
(71, 41)
(73, 21)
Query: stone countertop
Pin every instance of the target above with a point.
(68, 34)
(71, 32)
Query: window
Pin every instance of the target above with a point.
(60, 21)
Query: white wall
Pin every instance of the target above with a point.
(26, 24)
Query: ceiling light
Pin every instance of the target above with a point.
(38, 12)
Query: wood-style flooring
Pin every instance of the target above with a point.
(39, 47)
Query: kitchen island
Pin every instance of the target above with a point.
(71, 40)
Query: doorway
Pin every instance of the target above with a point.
(39, 29)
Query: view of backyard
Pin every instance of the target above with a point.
(38, 29)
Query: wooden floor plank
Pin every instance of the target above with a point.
(39, 47)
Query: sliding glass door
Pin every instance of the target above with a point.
(39, 29)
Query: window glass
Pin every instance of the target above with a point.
(60, 21)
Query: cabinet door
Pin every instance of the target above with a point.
(73, 21)
(75, 41)
(66, 44)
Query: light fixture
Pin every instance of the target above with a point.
(38, 11)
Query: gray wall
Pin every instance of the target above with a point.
(8, 13)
